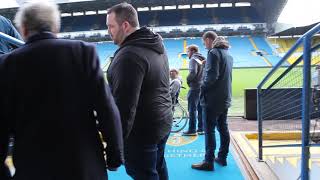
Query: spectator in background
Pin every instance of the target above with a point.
(215, 99)
(175, 85)
(50, 89)
(7, 28)
(194, 79)
(139, 80)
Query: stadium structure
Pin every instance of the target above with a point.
(275, 80)
(249, 20)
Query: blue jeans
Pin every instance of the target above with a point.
(211, 120)
(146, 161)
(193, 108)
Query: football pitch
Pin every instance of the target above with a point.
(242, 78)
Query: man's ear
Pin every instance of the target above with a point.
(207, 40)
(126, 26)
(24, 32)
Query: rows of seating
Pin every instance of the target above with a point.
(282, 45)
(266, 50)
(169, 18)
(242, 50)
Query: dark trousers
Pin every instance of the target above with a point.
(146, 161)
(200, 120)
(211, 120)
(193, 108)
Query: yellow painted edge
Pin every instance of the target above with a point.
(184, 45)
(276, 136)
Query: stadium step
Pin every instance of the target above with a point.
(290, 167)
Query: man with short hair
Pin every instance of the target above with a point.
(50, 89)
(215, 99)
(139, 80)
(194, 79)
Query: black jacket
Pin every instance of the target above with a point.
(194, 77)
(139, 80)
(49, 90)
(217, 78)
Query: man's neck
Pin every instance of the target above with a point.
(132, 30)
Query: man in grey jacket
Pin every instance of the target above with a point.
(194, 80)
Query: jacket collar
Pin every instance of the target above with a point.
(40, 36)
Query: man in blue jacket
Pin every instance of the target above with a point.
(215, 99)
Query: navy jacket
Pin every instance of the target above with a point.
(50, 88)
(217, 78)
(139, 79)
(7, 28)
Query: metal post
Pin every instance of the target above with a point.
(305, 155)
(259, 122)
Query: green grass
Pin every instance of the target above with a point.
(242, 79)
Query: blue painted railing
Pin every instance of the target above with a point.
(305, 40)
(11, 40)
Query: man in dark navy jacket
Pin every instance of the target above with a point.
(50, 89)
(215, 99)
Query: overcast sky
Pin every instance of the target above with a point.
(300, 12)
(296, 12)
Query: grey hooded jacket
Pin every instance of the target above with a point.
(194, 77)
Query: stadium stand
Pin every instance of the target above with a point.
(169, 18)
(241, 25)
(241, 49)
(262, 45)
(265, 48)
(246, 29)
(282, 45)
(244, 53)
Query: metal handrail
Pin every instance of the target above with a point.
(316, 47)
(288, 54)
(307, 49)
(11, 40)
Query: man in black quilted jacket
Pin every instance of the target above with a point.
(139, 80)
